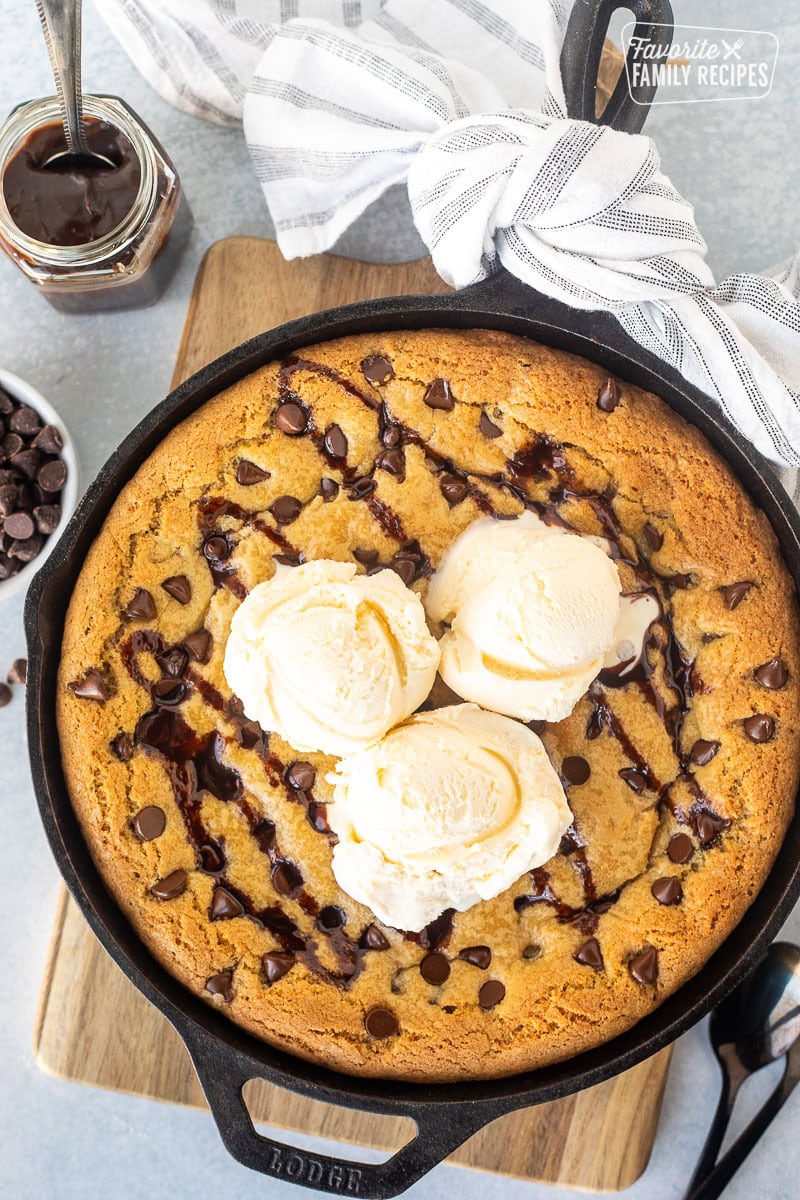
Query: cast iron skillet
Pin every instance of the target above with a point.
(224, 1055)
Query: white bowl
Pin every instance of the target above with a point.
(18, 389)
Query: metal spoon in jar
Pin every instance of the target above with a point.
(61, 23)
(756, 1025)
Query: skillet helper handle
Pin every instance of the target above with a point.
(580, 60)
(440, 1130)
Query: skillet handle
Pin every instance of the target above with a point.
(580, 60)
(441, 1128)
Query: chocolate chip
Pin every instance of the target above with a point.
(249, 473)
(91, 687)
(331, 918)
(26, 550)
(773, 674)
(380, 1023)
(276, 965)
(653, 537)
(216, 548)
(393, 462)
(122, 747)
(377, 369)
(537, 727)
(12, 443)
(760, 728)
(47, 517)
(250, 734)
(224, 905)
(434, 968)
(264, 833)
(734, 593)
(667, 890)
(678, 581)
(361, 488)
(170, 886)
(680, 848)
(291, 418)
(6, 403)
(636, 780)
(179, 587)
(149, 823)
(5, 695)
(531, 952)
(329, 489)
(373, 939)
(405, 568)
(26, 462)
(286, 879)
(221, 984)
(643, 967)
(488, 427)
(335, 442)
(438, 395)
(212, 860)
(453, 488)
(437, 933)
(476, 956)
(289, 560)
(19, 525)
(590, 955)
(367, 558)
(286, 509)
(608, 396)
(141, 607)
(48, 440)
(9, 502)
(301, 775)
(702, 752)
(491, 993)
(198, 645)
(391, 435)
(709, 826)
(173, 662)
(52, 476)
(25, 421)
(18, 672)
(168, 691)
(575, 769)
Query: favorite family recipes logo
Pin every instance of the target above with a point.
(691, 63)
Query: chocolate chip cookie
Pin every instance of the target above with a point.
(212, 833)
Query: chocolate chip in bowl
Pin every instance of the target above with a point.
(38, 481)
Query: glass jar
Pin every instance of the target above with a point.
(127, 267)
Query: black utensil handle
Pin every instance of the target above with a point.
(441, 1128)
(717, 1180)
(716, 1134)
(587, 27)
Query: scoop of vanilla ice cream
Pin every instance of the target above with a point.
(449, 808)
(533, 610)
(330, 659)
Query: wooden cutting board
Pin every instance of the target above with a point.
(94, 1027)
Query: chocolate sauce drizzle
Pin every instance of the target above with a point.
(195, 764)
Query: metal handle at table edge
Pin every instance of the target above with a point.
(441, 1129)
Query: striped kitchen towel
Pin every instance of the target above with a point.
(463, 101)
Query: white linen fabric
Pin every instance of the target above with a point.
(463, 100)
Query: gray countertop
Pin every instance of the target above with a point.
(738, 162)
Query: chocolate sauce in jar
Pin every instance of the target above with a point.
(67, 205)
(90, 238)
